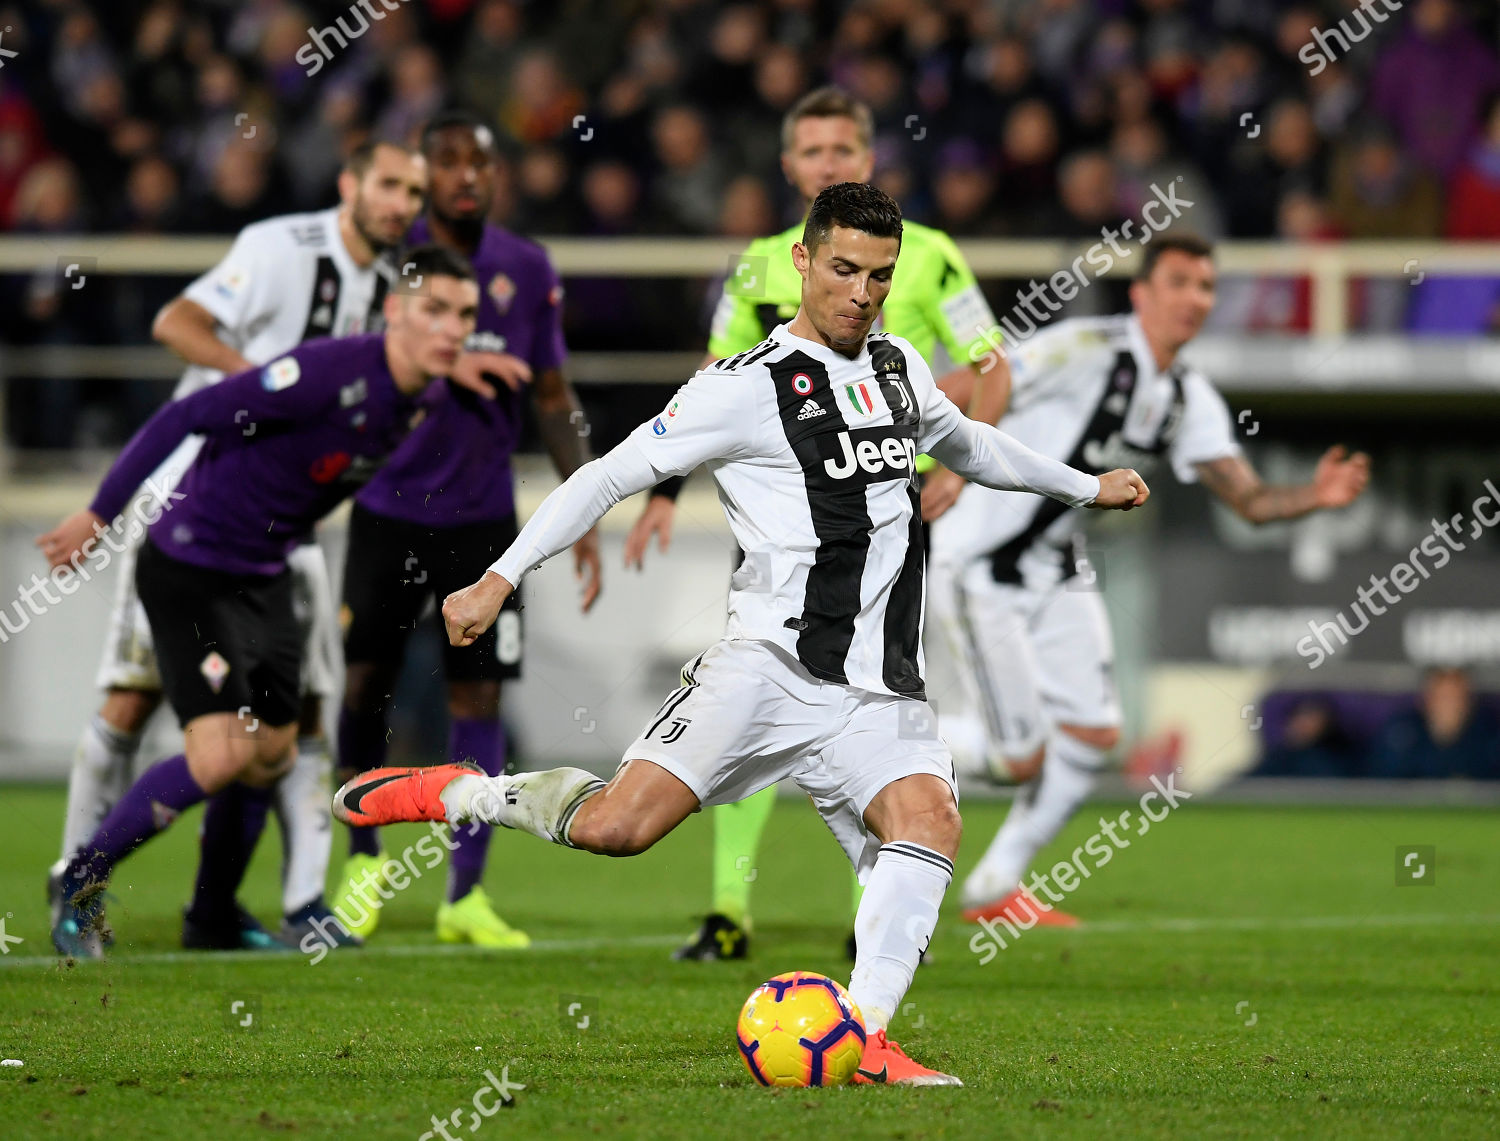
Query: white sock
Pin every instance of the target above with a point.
(894, 923)
(100, 776)
(1037, 815)
(302, 804)
(542, 803)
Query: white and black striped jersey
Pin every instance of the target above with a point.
(285, 280)
(1085, 391)
(813, 454)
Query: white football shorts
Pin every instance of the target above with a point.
(748, 714)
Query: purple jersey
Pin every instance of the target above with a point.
(284, 445)
(455, 467)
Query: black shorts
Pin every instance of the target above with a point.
(391, 571)
(225, 643)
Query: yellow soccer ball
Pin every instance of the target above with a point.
(801, 1029)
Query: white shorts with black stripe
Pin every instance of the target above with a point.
(1029, 659)
(748, 715)
(129, 658)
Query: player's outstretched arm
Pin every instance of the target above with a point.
(192, 332)
(564, 517)
(988, 456)
(1337, 482)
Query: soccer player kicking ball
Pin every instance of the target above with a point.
(826, 138)
(1032, 640)
(822, 654)
(283, 446)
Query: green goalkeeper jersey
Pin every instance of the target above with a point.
(933, 297)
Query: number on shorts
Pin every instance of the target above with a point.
(508, 638)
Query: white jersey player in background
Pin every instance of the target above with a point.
(1031, 636)
(812, 438)
(285, 280)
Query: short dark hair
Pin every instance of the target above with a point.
(456, 117)
(362, 157)
(1166, 243)
(419, 263)
(828, 103)
(856, 205)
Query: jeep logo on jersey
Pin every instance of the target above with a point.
(872, 452)
(1115, 452)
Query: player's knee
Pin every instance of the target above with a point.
(1023, 768)
(610, 835)
(1101, 737)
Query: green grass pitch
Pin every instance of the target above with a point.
(1242, 973)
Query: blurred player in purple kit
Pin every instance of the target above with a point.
(283, 445)
(444, 504)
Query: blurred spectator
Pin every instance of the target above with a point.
(1089, 197)
(962, 190)
(1431, 83)
(1474, 201)
(490, 52)
(747, 212)
(1028, 163)
(544, 191)
(21, 147)
(542, 100)
(1379, 193)
(1312, 745)
(244, 188)
(1142, 162)
(686, 189)
(416, 95)
(1447, 735)
(152, 203)
(611, 198)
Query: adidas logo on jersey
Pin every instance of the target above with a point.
(810, 409)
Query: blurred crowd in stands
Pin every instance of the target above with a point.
(1448, 731)
(1305, 120)
(994, 117)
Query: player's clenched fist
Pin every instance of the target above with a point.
(469, 612)
(1120, 490)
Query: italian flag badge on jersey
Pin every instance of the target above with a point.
(859, 396)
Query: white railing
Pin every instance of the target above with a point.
(1330, 266)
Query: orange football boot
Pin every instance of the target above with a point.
(396, 796)
(1017, 907)
(886, 1062)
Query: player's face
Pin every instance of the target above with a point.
(461, 170)
(388, 198)
(431, 326)
(845, 281)
(1177, 298)
(825, 150)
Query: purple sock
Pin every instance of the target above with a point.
(362, 748)
(481, 741)
(156, 799)
(232, 824)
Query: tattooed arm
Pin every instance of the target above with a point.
(1337, 482)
